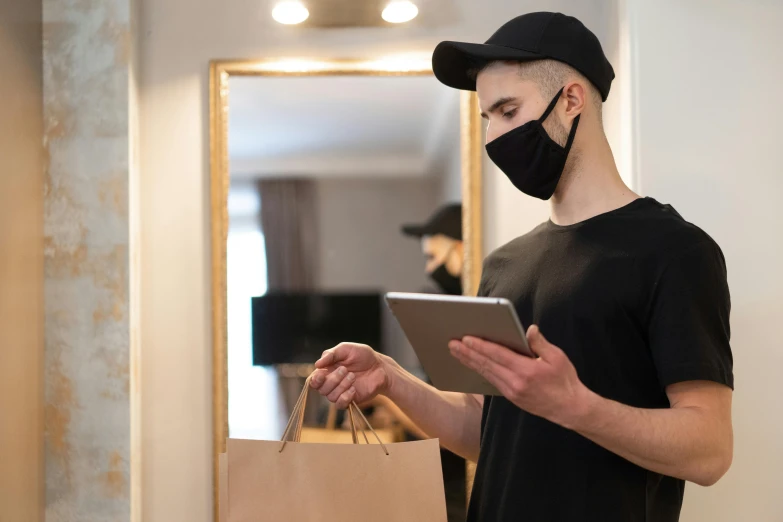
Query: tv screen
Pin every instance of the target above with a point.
(296, 328)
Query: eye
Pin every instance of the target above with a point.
(510, 114)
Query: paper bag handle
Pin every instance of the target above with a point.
(297, 419)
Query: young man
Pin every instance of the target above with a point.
(441, 243)
(630, 395)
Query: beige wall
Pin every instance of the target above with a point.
(709, 144)
(21, 262)
(178, 38)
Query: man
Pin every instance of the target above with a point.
(441, 243)
(630, 395)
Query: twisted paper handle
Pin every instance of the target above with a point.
(297, 419)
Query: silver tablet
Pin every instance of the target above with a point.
(430, 321)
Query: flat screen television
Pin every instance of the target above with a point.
(292, 328)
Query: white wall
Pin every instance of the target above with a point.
(361, 244)
(508, 213)
(447, 166)
(450, 179)
(177, 40)
(709, 74)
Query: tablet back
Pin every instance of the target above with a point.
(430, 321)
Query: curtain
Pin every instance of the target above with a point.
(288, 221)
(289, 225)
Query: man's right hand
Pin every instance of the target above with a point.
(351, 372)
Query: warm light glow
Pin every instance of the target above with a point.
(294, 65)
(290, 12)
(406, 62)
(400, 11)
(397, 63)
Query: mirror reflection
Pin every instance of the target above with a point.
(337, 196)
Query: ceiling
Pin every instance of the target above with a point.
(281, 126)
(340, 126)
(367, 13)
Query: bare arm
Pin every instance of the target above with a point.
(454, 418)
(400, 416)
(354, 372)
(691, 440)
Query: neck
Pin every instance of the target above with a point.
(591, 184)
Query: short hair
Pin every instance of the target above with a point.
(549, 75)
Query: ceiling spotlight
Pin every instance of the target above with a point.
(400, 11)
(290, 12)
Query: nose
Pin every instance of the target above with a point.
(491, 135)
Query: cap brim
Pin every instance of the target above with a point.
(452, 61)
(414, 230)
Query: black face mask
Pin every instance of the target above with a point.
(530, 158)
(450, 284)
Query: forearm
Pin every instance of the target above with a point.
(454, 418)
(401, 417)
(684, 442)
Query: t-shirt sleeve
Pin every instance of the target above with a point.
(485, 284)
(689, 318)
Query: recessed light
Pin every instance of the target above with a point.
(400, 11)
(290, 12)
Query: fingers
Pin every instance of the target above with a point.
(540, 346)
(336, 385)
(498, 374)
(327, 380)
(318, 377)
(342, 387)
(500, 354)
(345, 398)
(334, 356)
(326, 365)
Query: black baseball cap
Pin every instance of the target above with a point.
(447, 220)
(532, 36)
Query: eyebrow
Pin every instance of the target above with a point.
(498, 104)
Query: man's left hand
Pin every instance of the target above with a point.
(547, 386)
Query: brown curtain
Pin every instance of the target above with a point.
(288, 222)
(289, 225)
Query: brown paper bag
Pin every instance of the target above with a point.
(292, 481)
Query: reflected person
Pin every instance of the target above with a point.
(441, 243)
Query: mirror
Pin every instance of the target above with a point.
(325, 171)
(316, 171)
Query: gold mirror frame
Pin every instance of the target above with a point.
(219, 74)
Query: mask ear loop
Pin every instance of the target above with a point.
(552, 104)
(574, 125)
(572, 134)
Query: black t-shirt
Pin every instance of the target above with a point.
(638, 300)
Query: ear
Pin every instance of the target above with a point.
(456, 259)
(576, 93)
